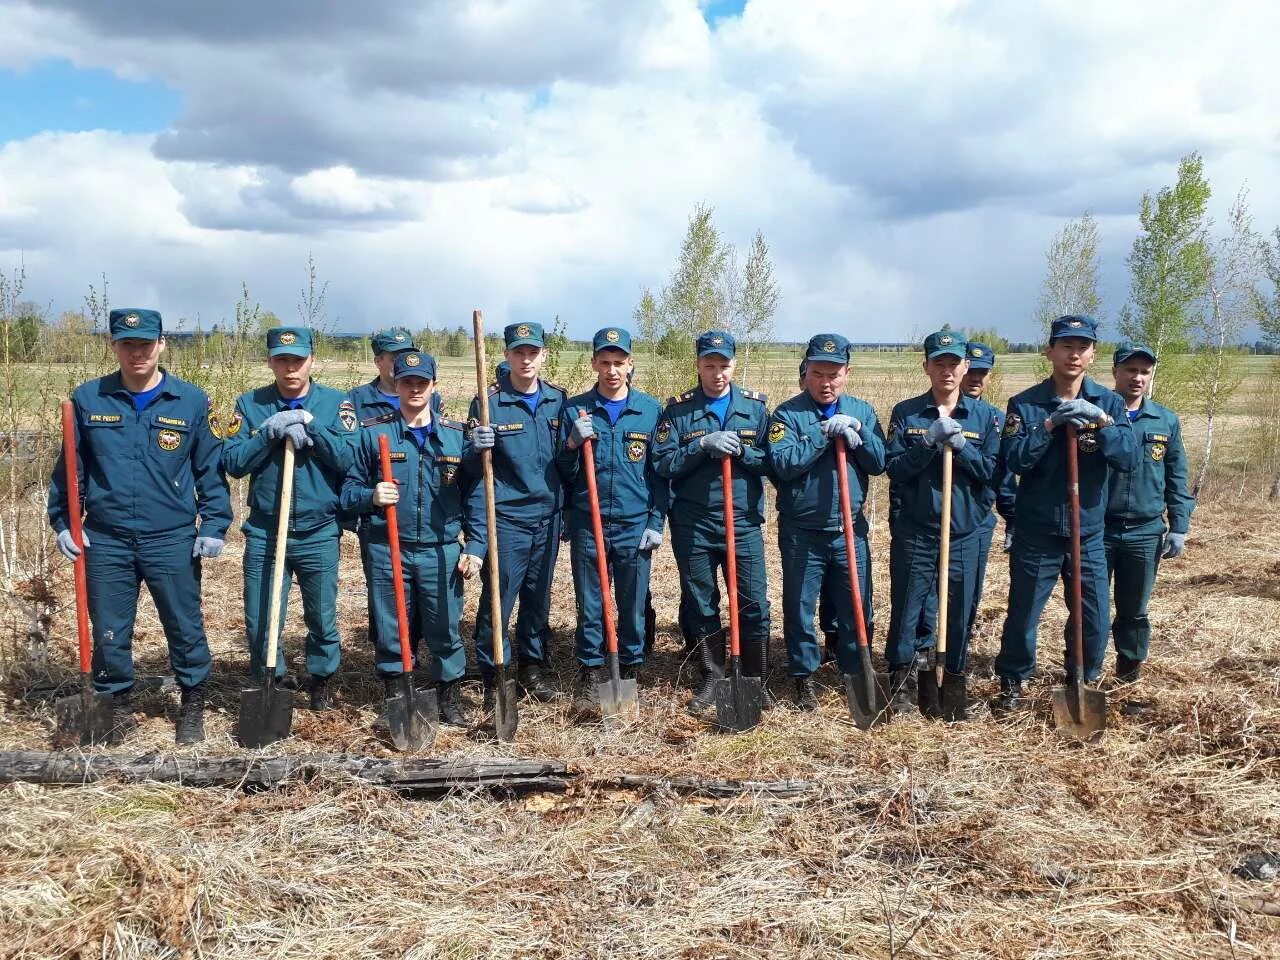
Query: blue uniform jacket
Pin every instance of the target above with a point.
(525, 479)
(630, 489)
(697, 499)
(433, 484)
(915, 470)
(803, 461)
(1139, 500)
(318, 470)
(148, 472)
(1039, 459)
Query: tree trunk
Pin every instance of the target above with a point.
(1275, 488)
(1204, 460)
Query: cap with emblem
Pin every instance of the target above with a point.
(415, 363)
(134, 324)
(981, 357)
(1076, 325)
(289, 341)
(719, 342)
(828, 348)
(1130, 349)
(392, 340)
(611, 338)
(946, 343)
(523, 335)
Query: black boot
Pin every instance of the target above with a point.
(830, 644)
(122, 722)
(534, 684)
(755, 663)
(490, 694)
(321, 694)
(629, 671)
(1010, 699)
(650, 626)
(1127, 671)
(449, 693)
(191, 715)
(589, 680)
(904, 690)
(710, 653)
(805, 694)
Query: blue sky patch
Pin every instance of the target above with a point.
(54, 95)
(718, 9)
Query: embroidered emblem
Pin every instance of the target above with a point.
(1087, 441)
(523, 330)
(612, 336)
(664, 431)
(399, 338)
(1013, 425)
(975, 351)
(776, 431)
(104, 418)
(169, 439)
(635, 451)
(1157, 451)
(236, 423)
(717, 341)
(412, 360)
(288, 338)
(215, 425)
(946, 340)
(1075, 323)
(829, 346)
(131, 320)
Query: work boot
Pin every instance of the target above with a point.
(755, 663)
(650, 626)
(191, 715)
(629, 671)
(904, 690)
(321, 694)
(710, 654)
(830, 644)
(589, 679)
(1010, 699)
(535, 685)
(449, 693)
(1127, 671)
(122, 722)
(806, 694)
(390, 690)
(490, 695)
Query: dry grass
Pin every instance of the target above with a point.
(978, 840)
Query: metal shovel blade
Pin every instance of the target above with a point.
(869, 708)
(955, 697)
(739, 702)
(619, 699)
(506, 715)
(1078, 712)
(413, 716)
(84, 717)
(266, 715)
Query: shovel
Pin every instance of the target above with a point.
(618, 697)
(943, 694)
(739, 699)
(85, 716)
(413, 716)
(506, 715)
(266, 714)
(866, 691)
(1078, 712)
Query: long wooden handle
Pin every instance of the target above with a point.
(1077, 594)
(602, 563)
(730, 556)
(75, 523)
(850, 545)
(277, 566)
(944, 555)
(490, 502)
(397, 569)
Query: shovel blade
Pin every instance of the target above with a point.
(869, 708)
(619, 699)
(739, 702)
(1079, 713)
(506, 715)
(955, 697)
(413, 716)
(84, 718)
(266, 715)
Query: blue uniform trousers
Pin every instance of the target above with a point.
(311, 557)
(415, 628)
(913, 591)
(697, 560)
(815, 562)
(1132, 562)
(1035, 564)
(116, 565)
(525, 571)
(985, 533)
(433, 603)
(629, 571)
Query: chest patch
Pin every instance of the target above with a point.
(635, 450)
(398, 456)
(169, 439)
(916, 431)
(972, 435)
(1157, 451)
(1087, 441)
(105, 418)
(777, 430)
(1157, 438)
(692, 434)
(508, 427)
(171, 421)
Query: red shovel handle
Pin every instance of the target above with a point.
(730, 556)
(1077, 595)
(393, 539)
(602, 562)
(850, 545)
(77, 530)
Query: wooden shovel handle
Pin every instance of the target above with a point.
(75, 523)
(490, 501)
(730, 556)
(277, 563)
(944, 554)
(1077, 595)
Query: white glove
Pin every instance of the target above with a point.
(838, 424)
(68, 546)
(469, 566)
(385, 494)
(650, 540)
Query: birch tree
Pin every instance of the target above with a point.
(1071, 274)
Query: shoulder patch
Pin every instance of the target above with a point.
(777, 430)
(664, 431)
(234, 424)
(1013, 425)
(215, 425)
(347, 414)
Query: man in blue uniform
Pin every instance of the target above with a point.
(919, 430)
(524, 413)
(1034, 447)
(321, 422)
(700, 428)
(1139, 506)
(428, 454)
(621, 421)
(149, 466)
(802, 461)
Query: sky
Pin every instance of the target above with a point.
(907, 162)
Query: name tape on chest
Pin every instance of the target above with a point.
(508, 427)
(105, 418)
(171, 421)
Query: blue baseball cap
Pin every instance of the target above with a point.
(717, 341)
(134, 324)
(946, 343)
(414, 363)
(289, 341)
(827, 348)
(1130, 349)
(523, 334)
(392, 340)
(981, 357)
(1074, 325)
(611, 338)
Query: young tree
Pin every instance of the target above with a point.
(1071, 275)
(756, 303)
(1267, 313)
(1170, 266)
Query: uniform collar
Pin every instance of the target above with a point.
(599, 401)
(961, 408)
(305, 398)
(1146, 409)
(113, 383)
(507, 392)
(706, 401)
(1090, 389)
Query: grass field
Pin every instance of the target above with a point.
(983, 839)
